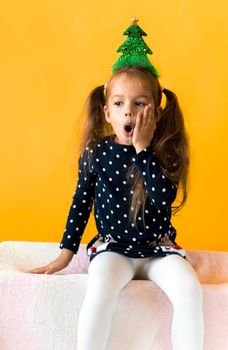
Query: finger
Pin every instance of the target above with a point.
(146, 114)
(30, 271)
(38, 270)
(139, 120)
(148, 110)
(49, 271)
(150, 120)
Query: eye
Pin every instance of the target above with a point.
(140, 103)
(117, 103)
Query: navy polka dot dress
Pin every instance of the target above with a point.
(102, 181)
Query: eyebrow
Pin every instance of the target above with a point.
(135, 96)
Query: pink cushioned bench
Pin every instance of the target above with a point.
(40, 312)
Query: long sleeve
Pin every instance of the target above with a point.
(160, 189)
(80, 208)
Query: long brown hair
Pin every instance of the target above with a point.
(169, 143)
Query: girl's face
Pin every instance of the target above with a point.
(127, 98)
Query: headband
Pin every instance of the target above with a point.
(134, 50)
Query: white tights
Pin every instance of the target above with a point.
(109, 272)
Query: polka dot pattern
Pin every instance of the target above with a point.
(103, 182)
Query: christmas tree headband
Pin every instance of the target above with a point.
(134, 49)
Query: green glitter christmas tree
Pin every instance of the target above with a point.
(134, 49)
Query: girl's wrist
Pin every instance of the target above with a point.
(140, 148)
(66, 255)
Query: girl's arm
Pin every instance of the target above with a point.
(161, 190)
(81, 205)
(66, 255)
(77, 219)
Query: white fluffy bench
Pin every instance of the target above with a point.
(40, 312)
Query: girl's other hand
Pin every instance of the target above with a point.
(52, 267)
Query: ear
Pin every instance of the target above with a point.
(158, 114)
(106, 112)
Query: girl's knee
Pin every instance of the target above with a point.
(182, 281)
(188, 290)
(193, 286)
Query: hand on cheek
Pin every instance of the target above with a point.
(144, 128)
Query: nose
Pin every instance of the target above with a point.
(128, 109)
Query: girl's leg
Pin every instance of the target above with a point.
(108, 273)
(176, 277)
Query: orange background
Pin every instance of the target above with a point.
(53, 53)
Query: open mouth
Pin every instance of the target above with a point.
(128, 129)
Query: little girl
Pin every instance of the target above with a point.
(134, 160)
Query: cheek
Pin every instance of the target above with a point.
(115, 123)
